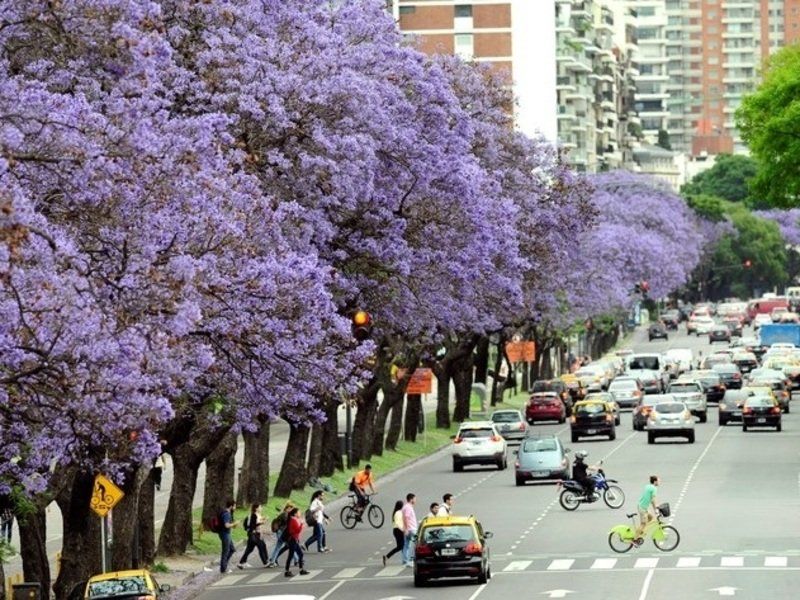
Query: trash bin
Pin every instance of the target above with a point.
(26, 591)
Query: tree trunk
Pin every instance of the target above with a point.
(220, 476)
(80, 554)
(414, 417)
(315, 451)
(124, 550)
(442, 397)
(462, 378)
(254, 476)
(331, 458)
(481, 360)
(395, 425)
(33, 549)
(498, 362)
(146, 521)
(365, 421)
(293, 474)
(3, 583)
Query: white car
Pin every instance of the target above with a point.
(670, 419)
(761, 319)
(691, 393)
(592, 376)
(479, 443)
(703, 325)
(683, 356)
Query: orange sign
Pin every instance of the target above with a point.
(521, 351)
(421, 382)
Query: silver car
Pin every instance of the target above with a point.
(541, 458)
(510, 424)
(691, 393)
(670, 419)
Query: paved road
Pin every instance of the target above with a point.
(734, 498)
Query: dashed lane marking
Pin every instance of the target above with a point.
(265, 577)
(775, 561)
(689, 562)
(348, 573)
(604, 563)
(732, 561)
(390, 571)
(561, 564)
(518, 565)
(646, 563)
(690, 476)
(228, 580)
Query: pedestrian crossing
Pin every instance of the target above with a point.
(512, 566)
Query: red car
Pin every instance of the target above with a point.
(545, 406)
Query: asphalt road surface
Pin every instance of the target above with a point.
(734, 499)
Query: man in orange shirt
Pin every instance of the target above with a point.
(359, 484)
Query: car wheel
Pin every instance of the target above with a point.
(703, 417)
(778, 427)
(691, 437)
(666, 337)
(520, 481)
(530, 422)
(616, 421)
(419, 581)
(457, 466)
(613, 435)
(722, 422)
(574, 438)
(482, 578)
(651, 439)
(744, 427)
(787, 409)
(562, 420)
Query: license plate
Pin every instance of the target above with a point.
(476, 443)
(541, 473)
(737, 413)
(761, 420)
(505, 428)
(449, 551)
(591, 431)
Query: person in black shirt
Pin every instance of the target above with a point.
(580, 472)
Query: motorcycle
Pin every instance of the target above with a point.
(574, 494)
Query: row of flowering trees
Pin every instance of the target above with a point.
(194, 197)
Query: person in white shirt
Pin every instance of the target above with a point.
(317, 510)
(446, 507)
(434, 510)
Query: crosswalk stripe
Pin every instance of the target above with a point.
(518, 565)
(732, 561)
(301, 578)
(228, 580)
(775, 561)
(265, 577)
(689, 561)
(390, 571)
(604, 563)
(348, 573)
(646, 563)
(561, 564)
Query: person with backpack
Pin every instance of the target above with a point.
(225, 524)
(294, 527)
(278, 527)
(397, 531)
(316, 517)
(252, 525)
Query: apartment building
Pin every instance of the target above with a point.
(514, 36)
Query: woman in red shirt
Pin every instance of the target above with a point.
(294, 528)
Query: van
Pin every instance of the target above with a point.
(765, 306)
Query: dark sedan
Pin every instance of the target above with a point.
(761, 411)
(735, 326)
(729, 374)
(712, 384)
(671, 319)
(557, 386)
(657, 330)
(642, 409)
(451, 547)
(719, 333)
(730, 407)
(746, 361)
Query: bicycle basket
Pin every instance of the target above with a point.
(664, 510)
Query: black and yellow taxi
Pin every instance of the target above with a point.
(592, 418)
(139, 584)
(451, 547)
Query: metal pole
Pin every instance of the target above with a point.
(348, 434)
(104, 550)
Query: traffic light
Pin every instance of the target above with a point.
(362, 325)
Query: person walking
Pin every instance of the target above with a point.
(409, 529)
(6, 518)
(397, 532)
(294, 527)
(446, 507)
(226, 523)
(158, 471)
(319, 517)
(253, 524)
(278, 527)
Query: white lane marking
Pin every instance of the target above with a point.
(390, 571)
(776, 561)
(518, 565)
(303, 578)
(689, 561)
(604, 563)
(732, 561)
(265, 577)
(348, 573)
(646, 585)
(330, 591)
(690, 476)
(620, 445)
(561, 564)
(225, 581)
(646, 563)
(475, 595)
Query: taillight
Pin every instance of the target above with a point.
(473, 548)
(747, 411)
(737, 376)
(637, 394)
(522, 426)
(572, 419)
(775, 410)
(423, 550)
(496, 438)
(458, 440)
(609, 417)
(516, 465)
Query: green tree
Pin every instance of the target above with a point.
(663, 139)
(729, 178)
(708, 207)
(769, 121)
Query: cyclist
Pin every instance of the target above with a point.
(646, 501)
(359, 484)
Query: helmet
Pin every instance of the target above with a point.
(581, 454)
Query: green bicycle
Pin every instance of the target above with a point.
(665, 537)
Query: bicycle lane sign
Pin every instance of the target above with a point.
(106, 495)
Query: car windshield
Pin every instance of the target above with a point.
(710, 379)
(683, 388)
(540, 446)
(115, 587)
(591, 409)
(476, 433)
(546, 386)
(726, 368)
(622, 385)
(670, 407)
(759, 401)
(450, 533)
(644, 362)
(543, 399)
(505, 417)
(744, 356)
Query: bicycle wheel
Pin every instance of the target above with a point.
(375, 516)
(349, 517)
(614, 497)
(618, 543)
(670, 540)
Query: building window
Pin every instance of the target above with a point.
(463, 11)
(646, 11)
(464, 45)
(408, 10)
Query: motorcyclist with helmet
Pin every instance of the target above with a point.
(581, 472)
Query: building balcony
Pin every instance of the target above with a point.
(739, 34)
(580, 64)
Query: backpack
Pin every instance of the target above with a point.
(310, 520)
(214, 524)
(275, 525)
(245, 524)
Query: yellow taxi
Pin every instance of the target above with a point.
(608, 398)
(592, 418)
(139, 584)
(451, 547)
(574, 386)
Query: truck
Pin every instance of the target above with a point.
(784, 333)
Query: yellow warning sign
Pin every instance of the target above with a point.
(106, 495)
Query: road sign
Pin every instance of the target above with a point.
(106, 495)
(421, 382)
(521, 351)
